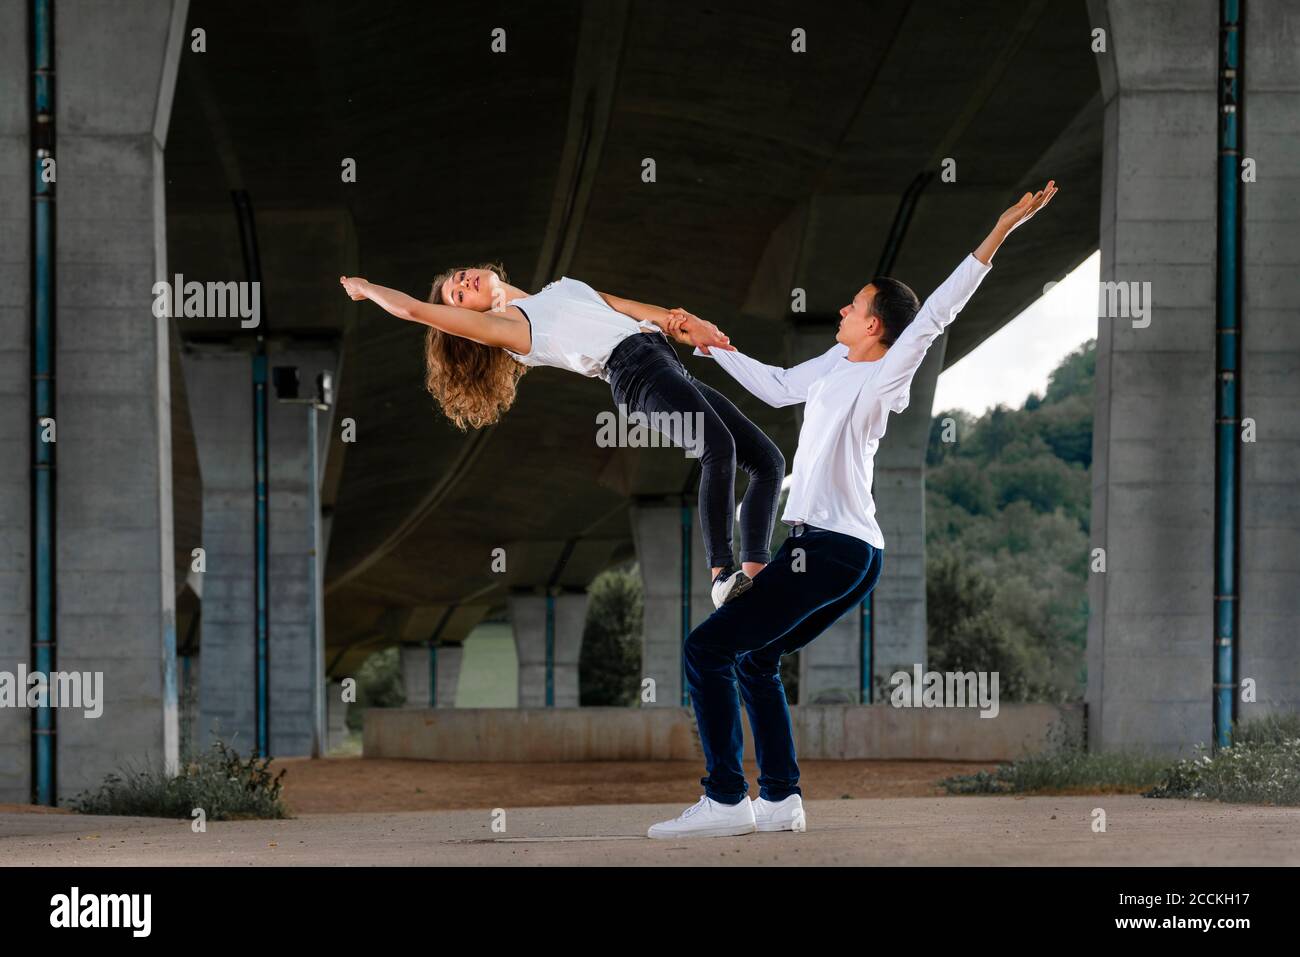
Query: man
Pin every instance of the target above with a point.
(833, 556)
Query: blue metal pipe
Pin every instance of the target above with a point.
(433, 674)
(42, 503)
(1227, 420)
(261, 489)
(434, 640)
(686, 595)
(261, 559)
(550, 648)
(865, 640)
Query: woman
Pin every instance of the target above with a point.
(484, 332)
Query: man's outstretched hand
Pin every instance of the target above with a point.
(1029, 204)
(694, 331)
(1017, 215)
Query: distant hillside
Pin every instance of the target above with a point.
(1007, 506)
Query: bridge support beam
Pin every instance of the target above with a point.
(114, 599)
(1150, 611)
(899, 491)
(427, 665)
(567, 615)
(416, 663)
(446, 661)
(336, 715)
(15, 394)
(1151, 624)
(219, 383)
(657, 531)
(1269, 649)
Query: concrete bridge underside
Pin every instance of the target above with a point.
(775, 170)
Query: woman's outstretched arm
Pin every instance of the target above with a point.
(675, 323)
(488, 328)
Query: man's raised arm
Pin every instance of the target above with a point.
(904, 357)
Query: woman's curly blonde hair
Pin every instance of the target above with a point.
(473, 383)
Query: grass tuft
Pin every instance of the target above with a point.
(1262, 767)
(226, 787)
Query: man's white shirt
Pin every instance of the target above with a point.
(846, 407)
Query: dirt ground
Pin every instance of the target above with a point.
(348, 784)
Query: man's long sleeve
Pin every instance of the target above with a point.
(904, 357)
(776, 386)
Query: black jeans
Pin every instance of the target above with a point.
(816, 576)
(646, 376)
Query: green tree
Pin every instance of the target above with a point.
(1007, 511)
(609, 666)
(379, 685)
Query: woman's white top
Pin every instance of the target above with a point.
(573, 328)
(847, 404)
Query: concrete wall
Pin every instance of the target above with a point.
(832, 732)
(15, 390)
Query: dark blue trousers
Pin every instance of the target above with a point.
(646, 376)
(814, 578)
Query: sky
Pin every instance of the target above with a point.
(1016, 359)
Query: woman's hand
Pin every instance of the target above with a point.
(694, 331)
(354, 286)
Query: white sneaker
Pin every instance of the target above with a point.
(708, 818)
(787, 815)
(732, 586)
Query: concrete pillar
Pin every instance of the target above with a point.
(219, 384)
(1150, 625)
(15, 391)
(116, 591)
(336, 715)
(1270, 504)
(829, 668)
(447, 660)
(657, 534)
(899, 628)
(188, 696)
(415, 667)
(528, 619)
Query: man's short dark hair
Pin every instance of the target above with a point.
(895, 305)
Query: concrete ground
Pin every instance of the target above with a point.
(871, 831)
